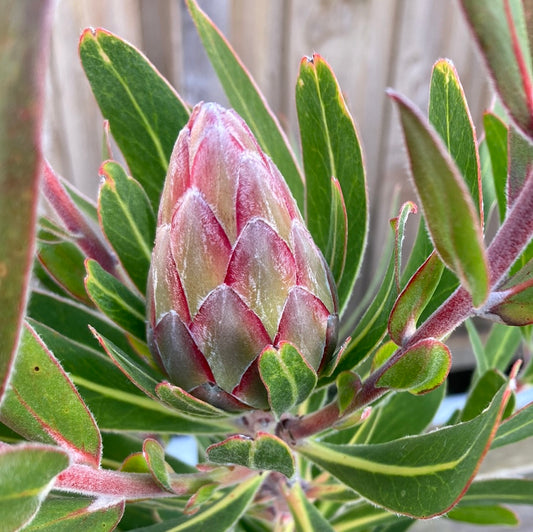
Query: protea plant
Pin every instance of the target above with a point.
(234, 269)
(209, 294)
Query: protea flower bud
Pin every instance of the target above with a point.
(234, 269)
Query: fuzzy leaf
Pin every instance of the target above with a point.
(328, 134)
(66, 514)
(116, 403)
(370, 329)
(414, 298)
(30, 468)
(65, 263)
(499, 28)
(423, 367)
(450, 116)
(134, 97)
(127, 220)
(448, 208)
(393, 418)
(247, 100)
(520, 164)
(177, 398)
(440, 464)
(154, 455)
(288, 378)
(25, 28)
(264, 452)
(306, 516)
(42, 403)
(225, 510)
(496, 132)
(115, 300)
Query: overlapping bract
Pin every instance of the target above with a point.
(234, 269)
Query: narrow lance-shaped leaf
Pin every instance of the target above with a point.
(24, 28)
(328, 133)
(306, 516)
(448, 208)
(31, 469)
(133, 96)
(440, 464)
(499, 28)
(493, 514)
(520, 163)
(449, 115)
(128, 221)
(414, 298)
(246, 98)
(42, 403)
(372, 326)
(499, 491)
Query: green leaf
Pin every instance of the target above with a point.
(42, 403)
(363, 516)
(450, 116)
(115, 300)
(392, 475)
(393, 417)
(287, 376)
(154, 455)
(227, 508)
(501, 345)
(515, 428)
(482, 393)
(338, 236)
(421, 368)
(30, 468)
(496, 132)
(246, 98)
(115, 402)
(65, 263)
(414, 298)
(449, 211)
(306, 516)
(328, 134)
(370, 329)
(65, 316)
(500, 39)
(264, 452)
(64, 514)
(184, 402)
(134, 97)
(25, 27)
(520, 163)
(128, 221)
(484, 515)
(482, 364)
(499, 491)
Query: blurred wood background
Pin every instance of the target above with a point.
(370, 44)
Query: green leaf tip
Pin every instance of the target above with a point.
(449, 211)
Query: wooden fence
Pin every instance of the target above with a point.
(371, 45)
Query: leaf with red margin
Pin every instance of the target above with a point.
(440, 464)
(64, 514)
(30, 468)
(414, 298)
(449, 211)
(499, 28)
(24, 26)
(42, 403)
